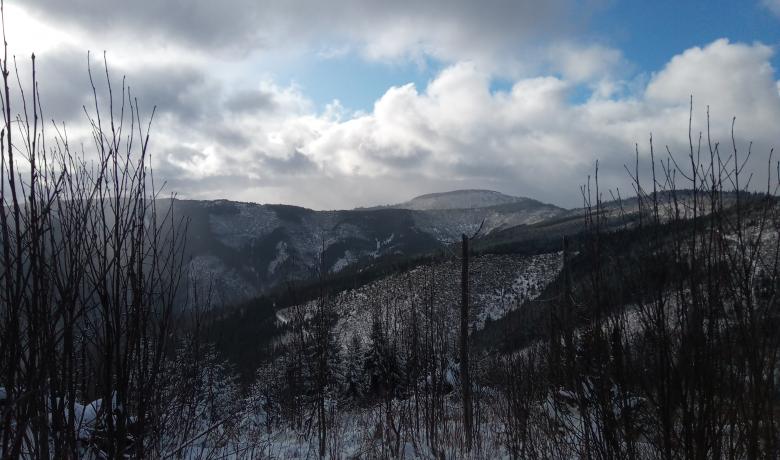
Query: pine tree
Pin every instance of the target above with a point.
(353, 367)
(380, 364)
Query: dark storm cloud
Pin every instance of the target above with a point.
(63, 83)
(199, 23)
(244, 25)
(229, 136)
(177, 90)
(251, 101)
(295, 164)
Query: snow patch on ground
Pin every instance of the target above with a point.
(281, 257)
(533, 275)
(343, 262)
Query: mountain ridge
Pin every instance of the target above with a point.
(242, 250)
(459, 199)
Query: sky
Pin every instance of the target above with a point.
(344, 103)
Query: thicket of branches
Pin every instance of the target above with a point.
(668, 347)
(91, 265)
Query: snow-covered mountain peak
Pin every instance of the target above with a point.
(459, 199)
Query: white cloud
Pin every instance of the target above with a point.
(587, 63)
(225, 131)
(457, 133)
(31, 34)
(732, 74)
(772, 5)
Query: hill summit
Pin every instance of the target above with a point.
(459, 199)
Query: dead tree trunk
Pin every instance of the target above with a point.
(464, 343)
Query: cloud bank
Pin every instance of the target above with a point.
(456, 132)
(224, 131)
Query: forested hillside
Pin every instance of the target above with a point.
(463, 324)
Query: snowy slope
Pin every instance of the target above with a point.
(499, 284)
(447, 225)
(241, 250)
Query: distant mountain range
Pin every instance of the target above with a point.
(461, 199)
(242, 250)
